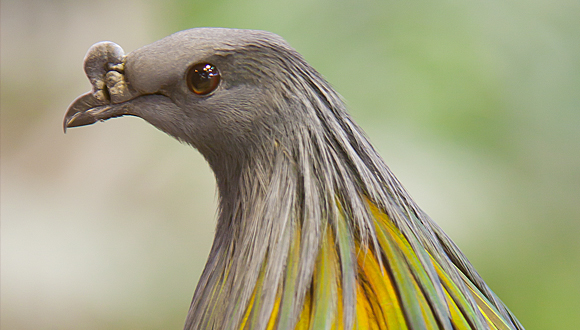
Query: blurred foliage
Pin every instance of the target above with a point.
(475, 105)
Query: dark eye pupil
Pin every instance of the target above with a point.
(203, 78)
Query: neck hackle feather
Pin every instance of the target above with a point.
(315, 232)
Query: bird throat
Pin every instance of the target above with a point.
(280, 219)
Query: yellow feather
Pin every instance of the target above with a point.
(459, 322)
(288, 297)
(401, 256)
(451, 289)
(274, 316)
(491, 315)
(489, 322)
(247, 314)
(380, 292)
(365, 318)
(324, 308)
(304, 321)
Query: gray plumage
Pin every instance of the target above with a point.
(290, 166)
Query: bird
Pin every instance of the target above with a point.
(313, 230)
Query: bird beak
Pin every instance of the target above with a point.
(104, 65)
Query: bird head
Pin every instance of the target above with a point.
(232, 94)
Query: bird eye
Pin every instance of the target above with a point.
(203, 78)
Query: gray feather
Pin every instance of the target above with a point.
(285, 153)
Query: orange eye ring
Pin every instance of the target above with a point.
(203, 78)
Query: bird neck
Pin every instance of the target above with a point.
(275, 211)
(299, 201)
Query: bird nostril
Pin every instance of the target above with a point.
(203, 78)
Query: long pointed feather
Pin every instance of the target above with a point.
(324, 306)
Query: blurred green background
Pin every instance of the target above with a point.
(475, 105)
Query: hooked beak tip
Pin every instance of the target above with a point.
(80, 112)
(78, 119)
